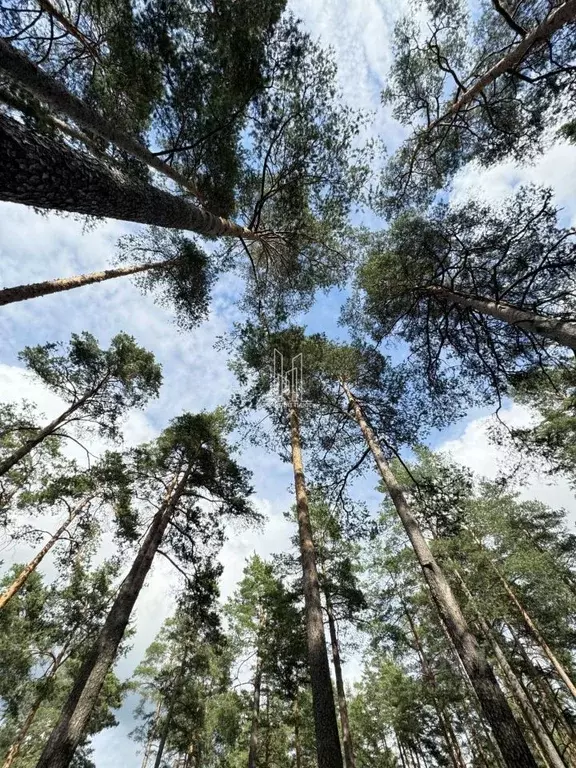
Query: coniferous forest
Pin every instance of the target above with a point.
(417, 612)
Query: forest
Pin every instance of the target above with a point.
(287, 288)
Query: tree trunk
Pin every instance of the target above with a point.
(40, 171)
(151, 736)
(444, 720)
(15, 747)
(532, 628)
(51, 92)
(22, 577)
(68, 732)
(326, 727)
(70, 28)
(253, 751)
(342, 704)
(297, 744)
(34, 290)
(48, 430)
(551, 754)
(556, 19)
(168, 721)
(560, 331)
(506, 730)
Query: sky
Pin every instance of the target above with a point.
(41, 246)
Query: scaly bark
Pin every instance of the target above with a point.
(342, 703)
(326, 727)
(507, 732)
(560, 331)
(557, 18)
(34, 290)
(51, 92)
(40, 171)
(64, 739)
(24, 574)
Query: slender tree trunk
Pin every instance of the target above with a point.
(151, 736)
(326, 727)
(70, 28)
(444, 720)
(253, 751)
(506, 730)
(560, 331)
(342, 704)
(556, 19)
(170, 712)
(34, 290)
(549, 750)
(532, 628)
(68, 732)
(267, 739)
(16, 746)
(24, 574)
(43, 172)
(48, 430)
(53, 93)
(297, 744)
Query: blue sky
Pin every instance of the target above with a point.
(35, 247)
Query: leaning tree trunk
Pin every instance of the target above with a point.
(507, 732)
(43, 172)
(549, 749)
(76, 712)
(560, 331)
(253, 751)
(326, 726)
(342, 704)
(24, 574)
(34, 290)
(53, 93)
(70, 28)
(48, 430)
(559, 17)
(531, 627)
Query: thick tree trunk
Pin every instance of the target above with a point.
(531, 627)
(253, 751)
(40, 171)
(326, 726)
(34, 290)
(546, 744)
(170, 712)
(24, 574)
(556, 19)
(444, 720)
(48, 430)
(342, 704)
(506, 730)
(68, 732)
(53, 93)
(560, 331)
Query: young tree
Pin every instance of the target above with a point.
(188, 462)
(99, 385)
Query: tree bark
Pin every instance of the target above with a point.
(48, 430)
(24, 574)
(556, 19)
(39, 171)
(507, 732)
(560, 331)
(532, 628)
(444, 720)
(342, 704)
(548, 747)
(34, 290)
(53, 93)
(64, 739)
(253, 751)
(326, 727)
